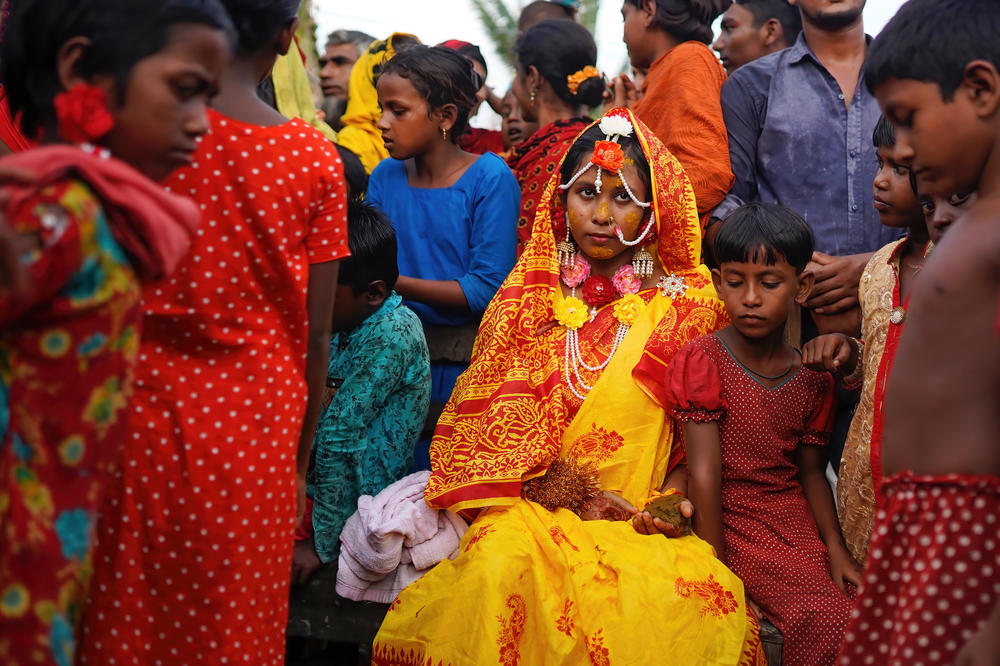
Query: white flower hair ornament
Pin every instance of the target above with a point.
(608, 154)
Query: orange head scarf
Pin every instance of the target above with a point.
(506, 416)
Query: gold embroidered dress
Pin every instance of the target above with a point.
(879, 296)
(532, 586)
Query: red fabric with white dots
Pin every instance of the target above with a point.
(933, 572)
(772, 542)
(194, 554)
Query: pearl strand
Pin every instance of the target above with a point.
(575, 358)
(639, 238)
(640, 204)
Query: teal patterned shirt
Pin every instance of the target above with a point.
(380, 380)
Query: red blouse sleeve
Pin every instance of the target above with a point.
(327, 240)
(694, 387)
(820, 423)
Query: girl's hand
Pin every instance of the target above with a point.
(608, 506)
(844, 568)
(645, 523)
(305, 561)
(622, 93)
(833, 352)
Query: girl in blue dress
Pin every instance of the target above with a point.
(455, 213)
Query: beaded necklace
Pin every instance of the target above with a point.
(572, 312)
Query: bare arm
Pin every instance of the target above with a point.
(321, 291)
(818, 494)
(445, 294)
(704, 461)
(983, 649)
(677, 480)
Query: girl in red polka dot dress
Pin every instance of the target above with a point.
(194, 560)
(754, 422)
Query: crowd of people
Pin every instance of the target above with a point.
(675, 352)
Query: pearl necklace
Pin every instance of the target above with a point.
(574, 357)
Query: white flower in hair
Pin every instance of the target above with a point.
(616, 126)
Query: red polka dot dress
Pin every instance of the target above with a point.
(772, 541)
(195, 541)
(932, 578)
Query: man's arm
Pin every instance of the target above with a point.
(744, 123)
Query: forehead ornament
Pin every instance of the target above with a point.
(608, 155)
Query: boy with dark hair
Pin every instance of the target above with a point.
(378, 389)
(752, 29)
(933, 578)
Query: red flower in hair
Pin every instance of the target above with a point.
(598, 291)
(82, 113)
(608, 155)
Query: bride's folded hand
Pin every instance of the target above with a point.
(608, 506)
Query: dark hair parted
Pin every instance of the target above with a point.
(373, 248)
(687, 20)
(442, 77)
(787, 15)
(121, 33)
(933, 41)
(542, 10)
(558, 49)
(764, 233)
(259, 21)
(585, 144)
(884, 135)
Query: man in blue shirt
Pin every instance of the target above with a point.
(800, 126)
(378, 390)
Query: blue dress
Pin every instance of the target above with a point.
(466, 232)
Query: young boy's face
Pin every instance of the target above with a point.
(941, 212)
(946, 143)
(758, 296)
(895, 199)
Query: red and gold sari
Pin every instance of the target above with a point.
(534, 586)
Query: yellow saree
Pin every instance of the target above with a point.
(533, 586)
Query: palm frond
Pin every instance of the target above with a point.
(587, 15)
(500, 24)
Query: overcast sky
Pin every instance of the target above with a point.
(438, 20)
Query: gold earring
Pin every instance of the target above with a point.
(566, 249)
(642, 263)
(444, 134)
(532, 97)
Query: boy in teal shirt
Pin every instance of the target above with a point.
(378, 390)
